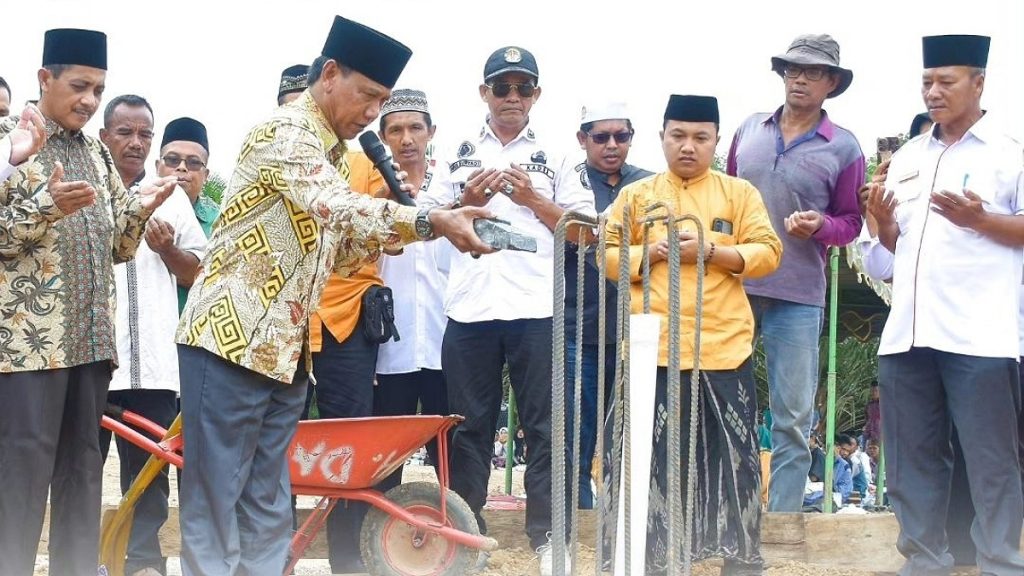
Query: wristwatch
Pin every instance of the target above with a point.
(424, 229)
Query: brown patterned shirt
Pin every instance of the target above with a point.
(288, 218)
(56, 271)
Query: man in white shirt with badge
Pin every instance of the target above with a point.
(953, 213)
(146, 380)
(499, 306)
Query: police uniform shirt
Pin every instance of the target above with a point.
(955, 290)
(510, 285)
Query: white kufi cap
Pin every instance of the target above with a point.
(604, 111)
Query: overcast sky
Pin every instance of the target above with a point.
(220, 61)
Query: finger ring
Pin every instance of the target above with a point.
(488, 192)
(508, 189)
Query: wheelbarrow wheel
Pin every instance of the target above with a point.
(390, 547)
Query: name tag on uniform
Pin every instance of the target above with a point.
(908, 176)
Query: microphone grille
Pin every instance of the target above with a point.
(369, 140)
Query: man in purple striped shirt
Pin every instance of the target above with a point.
(808, 171)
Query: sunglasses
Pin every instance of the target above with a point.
(503, 89)
(812, 74)
(193, 164)
(604, 137)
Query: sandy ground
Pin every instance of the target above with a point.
(513, 560)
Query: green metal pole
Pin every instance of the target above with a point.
(509, 442)
(830, 421)
(880, 483)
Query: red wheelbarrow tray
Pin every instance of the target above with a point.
(356, 453)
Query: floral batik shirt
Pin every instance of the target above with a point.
(56, 270)
(288, 218)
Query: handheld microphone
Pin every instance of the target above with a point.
(378, 154)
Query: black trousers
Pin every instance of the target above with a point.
(473, 355)
(161, 408)
(925, 393)
(49, 440)
(344, 389)
(404, 394)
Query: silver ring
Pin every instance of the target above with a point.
(488, 192)
(509, 189)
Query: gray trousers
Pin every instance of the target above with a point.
(923, 393)
(235, 489)
(49, 440)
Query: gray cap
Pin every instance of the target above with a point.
(815, 50)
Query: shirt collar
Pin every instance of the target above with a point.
(323, 128)
(984, 129)
(137, 180)
(55, 129)
(486, 131)
(676, 180)
(624, 173)
(825, 127)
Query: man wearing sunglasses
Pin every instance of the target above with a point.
(184, 153)
(605, 134)
(809, 171)
(187, 159)
(499, 306)
(146, 381)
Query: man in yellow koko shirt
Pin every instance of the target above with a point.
(739, 242)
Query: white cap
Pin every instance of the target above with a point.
(604, 111)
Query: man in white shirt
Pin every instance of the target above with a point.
(409, 368)
(146, 380)
(952, 214)
(499, 307)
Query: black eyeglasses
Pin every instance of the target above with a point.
(503, 89)
(193, 164)
(812, 74)
(604, 137)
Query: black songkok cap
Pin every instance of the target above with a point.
(692, 108)
(376, 56)
(75, 47)
(955, 50)
(186, 129)
(510, 59)
(293, 79)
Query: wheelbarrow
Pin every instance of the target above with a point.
(415, 529)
